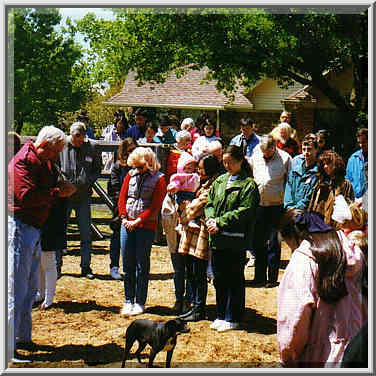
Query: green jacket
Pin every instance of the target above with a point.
(234, 210)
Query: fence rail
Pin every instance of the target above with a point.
(161, 150)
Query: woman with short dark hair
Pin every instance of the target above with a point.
(320, 302)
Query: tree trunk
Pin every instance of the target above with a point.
(19, 124)
(334, 96)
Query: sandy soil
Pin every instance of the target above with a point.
(84, 328)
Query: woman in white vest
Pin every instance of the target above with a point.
(140, 201)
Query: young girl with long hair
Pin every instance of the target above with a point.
(321, 303)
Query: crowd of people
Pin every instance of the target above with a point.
(220, 206)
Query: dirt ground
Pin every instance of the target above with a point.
(84, 329)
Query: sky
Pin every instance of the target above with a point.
(77, 13)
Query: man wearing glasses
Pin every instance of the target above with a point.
(81, 164)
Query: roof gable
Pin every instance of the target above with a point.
(183, 92)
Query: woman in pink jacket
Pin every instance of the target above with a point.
(320, 302)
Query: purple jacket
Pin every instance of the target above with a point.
(310, 332)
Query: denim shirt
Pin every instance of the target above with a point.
(300, 184)
(251, 143)
(135, 132)
(355, 173)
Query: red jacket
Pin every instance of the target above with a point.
(291, 147)
(172, 162)
(156, 204)
(29, 186)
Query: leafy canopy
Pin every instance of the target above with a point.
(239, 46)
(47, 76)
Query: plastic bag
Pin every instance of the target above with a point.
(169, 207)
(341, 210)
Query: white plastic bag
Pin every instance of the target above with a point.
(341, 210)
(169, 207)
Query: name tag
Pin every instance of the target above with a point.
(308, 180)
(88, 159)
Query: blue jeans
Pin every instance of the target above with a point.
(83, 214)
(24, 252)
(135, 250)
(274, 256)
(196, 278)
(267, 247)
(229, 283)
(181, 283)
(115, 249)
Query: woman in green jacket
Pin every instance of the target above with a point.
(230, 218)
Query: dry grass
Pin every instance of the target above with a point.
(84, 328)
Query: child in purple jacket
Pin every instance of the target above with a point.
(184, 184)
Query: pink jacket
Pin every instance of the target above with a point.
(312, 333)
(182, 181)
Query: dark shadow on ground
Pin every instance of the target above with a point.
(91, 305)
(161, 276)
(160, 311)
(253, 322)
(103, 354)
(95, 250)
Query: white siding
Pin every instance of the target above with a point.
(267, 96)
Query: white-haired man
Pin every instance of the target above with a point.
(32, 189)
(81, 164)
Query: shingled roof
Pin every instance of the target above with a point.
(302, 95)
(185, 92)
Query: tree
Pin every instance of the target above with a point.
(239, 46)
(46, 67)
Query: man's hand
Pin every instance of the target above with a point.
(65, 189)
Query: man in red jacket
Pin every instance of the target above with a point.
(32, 189)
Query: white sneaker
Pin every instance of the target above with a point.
(216, 323)
(114, 273)
(251, 261)
(228, 326)
(193, 224)
(137, 309)
(127, 309)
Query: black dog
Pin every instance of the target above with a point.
(159, 335)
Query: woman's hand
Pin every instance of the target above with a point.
(211, 224)
(131, 225)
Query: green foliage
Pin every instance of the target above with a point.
(100, 115)
(48, 78)
(239, 46)
(30, 129)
